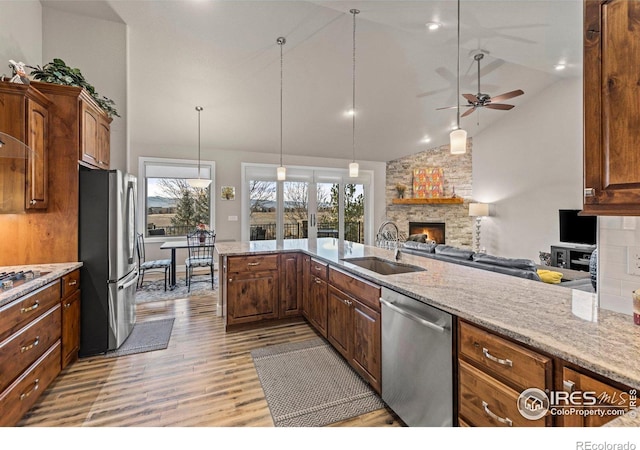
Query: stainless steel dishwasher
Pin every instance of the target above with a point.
(417, 362)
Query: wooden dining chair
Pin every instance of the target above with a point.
(200, 244)
(144, 265)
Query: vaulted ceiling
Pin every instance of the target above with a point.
(223, 56)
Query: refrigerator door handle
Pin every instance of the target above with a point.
(130, 282)
(131, 221)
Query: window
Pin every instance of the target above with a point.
(312, 202)
(170, 205)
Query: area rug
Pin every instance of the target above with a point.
(308, 384)
(153, 291)
(145, 337)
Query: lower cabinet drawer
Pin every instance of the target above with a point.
(485, 402)
(22, 348)
(18, 398)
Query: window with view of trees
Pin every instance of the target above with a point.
(174, 208)
(169, 206)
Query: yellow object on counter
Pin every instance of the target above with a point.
(550, 276)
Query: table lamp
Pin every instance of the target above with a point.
(478, 210)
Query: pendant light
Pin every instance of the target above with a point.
(281, 172)
(200, 183)
(353, 166)
(458, 137)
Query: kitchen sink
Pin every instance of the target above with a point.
(382, 266)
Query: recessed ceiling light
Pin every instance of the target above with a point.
(350, 113)
(560, 66)
(432, 26)
(425, 140)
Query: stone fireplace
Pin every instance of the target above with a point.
(435, 231)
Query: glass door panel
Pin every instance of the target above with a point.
(327, 209)
(354, 212)
(296, 209)
(262, 210)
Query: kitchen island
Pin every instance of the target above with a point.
(561, 322)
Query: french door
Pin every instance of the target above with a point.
(310, 203)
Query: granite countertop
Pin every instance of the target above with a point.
(560, 321)
(50, 272)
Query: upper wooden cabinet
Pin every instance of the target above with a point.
(92, 131)
(95, 135)
(24, 115)
(611, 107)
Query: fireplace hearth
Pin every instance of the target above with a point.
(435, 231)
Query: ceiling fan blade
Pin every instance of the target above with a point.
(506, 95)
(454, 107)
(468, 112)
(470, 98)
(501, 106)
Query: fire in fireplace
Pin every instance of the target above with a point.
(435, 231)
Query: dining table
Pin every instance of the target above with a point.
(173, 246)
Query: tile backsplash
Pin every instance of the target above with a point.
(615, 284)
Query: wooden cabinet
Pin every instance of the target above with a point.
(30, 349)
(574, 258)
(590, 402)
(492, 373)
(24, 115)
(290, 285)
(611, 107)
(306, 284)
(354, 324)
(70, 304)
(252, 289)
(318, 296)
(95, 135)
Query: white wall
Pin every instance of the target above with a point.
(20, 33)
(229, 173)
(615, 285)
(98, 48)
(529, 165)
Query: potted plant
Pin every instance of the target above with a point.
(202, 235)
(57, 72)
(400, 188)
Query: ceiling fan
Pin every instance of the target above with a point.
(481, 100)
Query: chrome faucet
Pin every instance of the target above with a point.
(396, 252)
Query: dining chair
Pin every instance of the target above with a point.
(200, 244)
(144, 265)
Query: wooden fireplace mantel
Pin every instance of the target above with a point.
(427, 201)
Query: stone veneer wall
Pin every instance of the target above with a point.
(457, 173)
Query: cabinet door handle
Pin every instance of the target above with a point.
(73, 282)
(230, 280)
(317, 280)
(496, 417)
(490, 357)
(35, 343)
(253, 264)
(568, 385)
(30, 308)
(589, 192)
(36, 384)
(67, 305)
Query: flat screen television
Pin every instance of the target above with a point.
(575, 229)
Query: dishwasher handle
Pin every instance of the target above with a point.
(408, 315)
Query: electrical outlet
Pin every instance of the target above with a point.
(633, 260)
(233, 218)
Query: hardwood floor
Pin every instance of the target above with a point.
(205, 378)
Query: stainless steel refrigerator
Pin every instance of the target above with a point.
(107, 249)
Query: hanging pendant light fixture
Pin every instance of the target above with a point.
(353, 166)
(200, 183)
(458, 137)
(281, 171)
